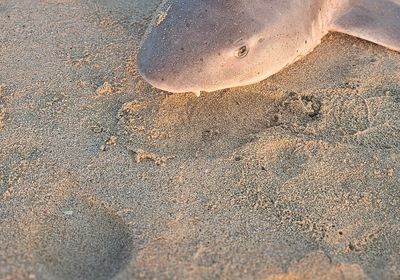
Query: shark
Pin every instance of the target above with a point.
(209, 45)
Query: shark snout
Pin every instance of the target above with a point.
(169, 70)
(151, 69)
(159, 69)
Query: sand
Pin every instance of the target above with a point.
(102, 176)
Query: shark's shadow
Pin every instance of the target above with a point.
(335, 95)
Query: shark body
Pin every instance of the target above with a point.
(208, 45)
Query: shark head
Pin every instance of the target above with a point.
(208, 45)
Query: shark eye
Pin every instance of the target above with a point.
(242, 52)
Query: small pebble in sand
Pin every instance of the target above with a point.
(141, 155)
(2, 117)
(105, 89)
(162, 16)
(112, 141)
(8, 194)
(97, 129)
(68, 213)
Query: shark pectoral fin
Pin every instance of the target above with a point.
(377, 21)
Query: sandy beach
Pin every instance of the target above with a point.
(104, 177)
